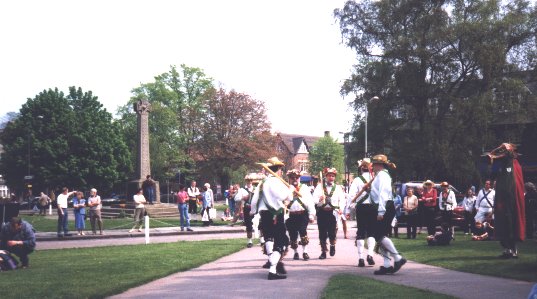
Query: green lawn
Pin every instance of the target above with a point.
(353, 286)
(45, 224)
(103, 271)
(473, 256)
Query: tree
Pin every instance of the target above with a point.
(176, 99)
(234, 132)
(443, 69)
(64, 141)
(327, 152)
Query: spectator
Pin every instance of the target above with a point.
(44, 201)
(79, 206)
(531, 209)
(441, 237)
(485, 202)
(419, 194)
(429, 198)
(410, 207)
(240, 195)
(149, 189)
(193, 195)
(231, 200)
(483, 231)
(94, 202)
(18, 238)
(207, 203)
(446, 204)
(398, 205)
(63, 217)
(182, 205)
(468, 203)
(139, 201)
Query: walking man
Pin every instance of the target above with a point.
(366, 213)
(382, 198)
(270, 199)
(328, 197)
(301, 212)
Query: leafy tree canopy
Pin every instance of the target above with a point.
(327, 152)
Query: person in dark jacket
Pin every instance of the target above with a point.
(18, 238)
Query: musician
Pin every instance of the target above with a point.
(301, 211)
(366, 213)
(328, 198)
(382, 197)
(446, 203)
(193, 195)
(270, 199)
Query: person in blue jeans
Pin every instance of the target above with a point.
(182, 205)
(62, 212)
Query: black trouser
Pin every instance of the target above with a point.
(203, 211)
(384, 226)
(447, 216)
(411, 221)
(274, 230)
(22, 252)
(192, 206)
(297, 224)
(366, 216)
(468, 221)
(248, 220)
(428, 219)
(327, 224)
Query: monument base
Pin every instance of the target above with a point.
(134, 185)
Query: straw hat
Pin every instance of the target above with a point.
(254, 177)
(365, 162)
(293, 172)
(428, 182)
(382, 159)
(274, 161)
(329, 170)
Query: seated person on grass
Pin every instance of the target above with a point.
(17, 237)
(483, 231)
(441, 237)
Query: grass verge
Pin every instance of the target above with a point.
(480, 257)
(353, 286)
(103, 271)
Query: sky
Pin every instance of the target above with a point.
(288, 54)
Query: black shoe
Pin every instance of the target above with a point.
(323, 255)
(60, 236)
(266, 265)
(249, 245)
(505, 255)
(296, 256)
(370, 260)
(275, 276)
(332, 250)
(305, 256)
(280, 269)
(361, 263)
(384, 271)
(68, 235)
(399, 264)
(188, 229)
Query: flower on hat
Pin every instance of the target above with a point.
(327, 170)
(293, 172)
(274, 161)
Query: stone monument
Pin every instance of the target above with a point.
(143, 163)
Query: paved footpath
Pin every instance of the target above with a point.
(240, 275)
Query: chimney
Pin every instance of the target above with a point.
(326, 133)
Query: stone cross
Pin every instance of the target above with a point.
(143, 165)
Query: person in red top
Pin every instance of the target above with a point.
(429, 203)
(182, 205)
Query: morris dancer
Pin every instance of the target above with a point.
(381, 196)
(366, 213)
(252, 180)
(301, 211)
(270, 199)
(328, 197)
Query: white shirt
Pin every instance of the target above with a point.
(481, 201)
(241, 193)
(468, 203)
(306, 198)
(193, 192)
(381, 191)
(338, 199)
(209, 197)
(62, 200)
(139, 200)
(451, 201)
(357, 185)
(275, 193)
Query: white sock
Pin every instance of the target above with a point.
(269, 246)
(360, 245)
(274, 259)
(250, 241)
(295, 250)
(388, 244)
(370, 245)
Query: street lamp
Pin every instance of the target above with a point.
(365, 140)
(345, 151)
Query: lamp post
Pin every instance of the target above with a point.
(346, 152)
(365, 140)
(29, 177)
